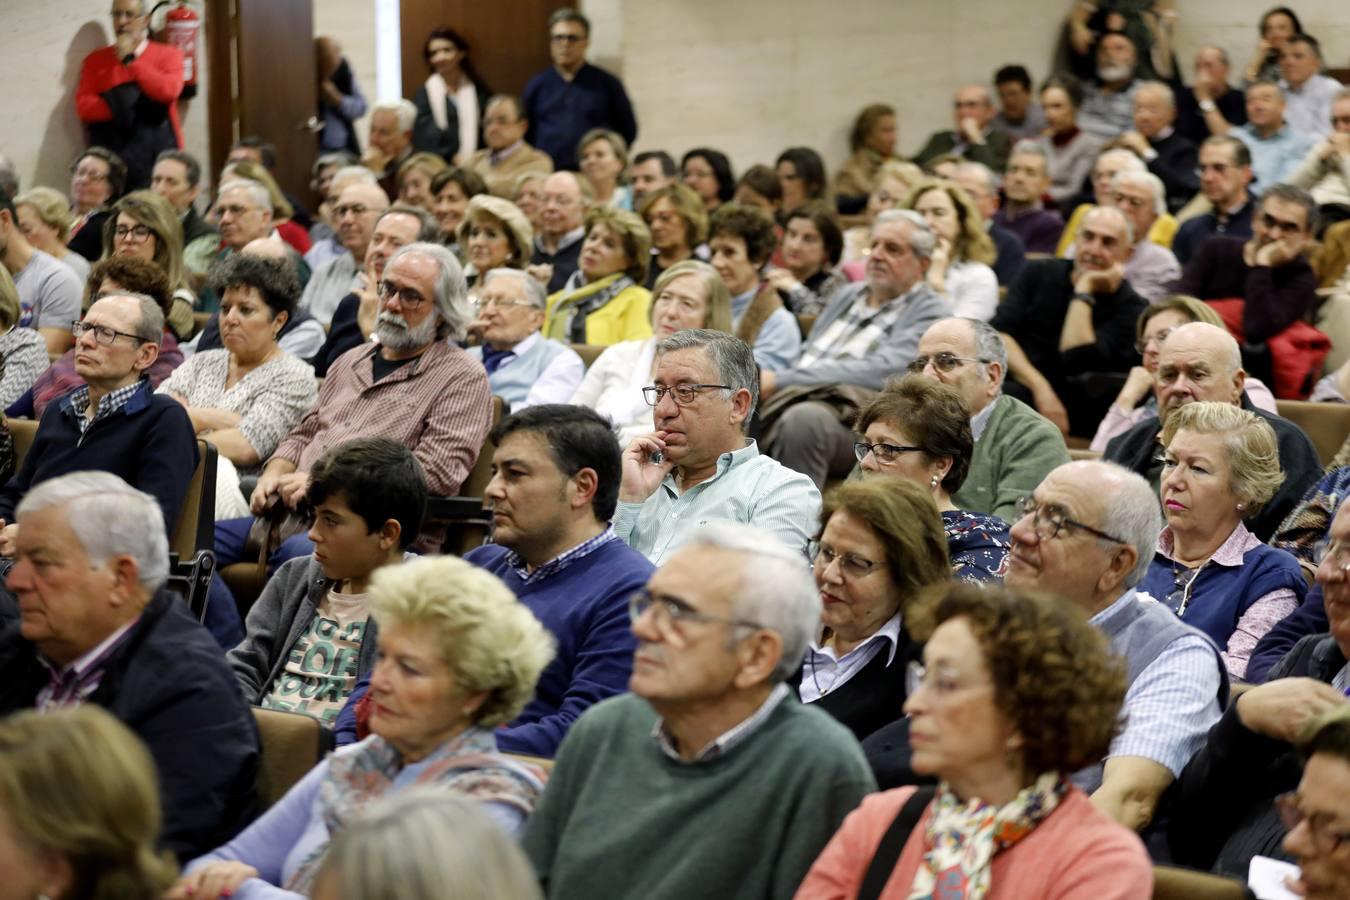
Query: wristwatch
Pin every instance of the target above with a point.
(1086, 298)
(1207, 106)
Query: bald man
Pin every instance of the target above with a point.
(557, 246)
(1169, 154)
(357, 210)
(1202, 362)
(975, 138)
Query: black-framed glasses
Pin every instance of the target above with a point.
(1325, 839)
(567, 38)
(135, 233)
(407, 297)
(943, 362)
(682, 394)
(1047, 521)
(672, 612)
(883, 452)
(102, 333)
(850, 564)
(350, 209)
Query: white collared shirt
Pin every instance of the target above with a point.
(823, 672)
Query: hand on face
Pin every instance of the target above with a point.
(641, 474)
(1100, 281)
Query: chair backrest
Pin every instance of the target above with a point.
(481, 473)
(589, 353)
(292, 744)
(1182, 884)
(23, 430)
(1327, 424)
(197, 519)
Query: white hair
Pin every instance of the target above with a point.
(1131, 514)
(776, 590)
(350, 175)
(1160, 88)
(110, 518)
(979, 169)
(404, 110)
(256, 190)
(1128, 161)
(1147, 180)
(534, 291)
(921, 238)
(452, 290)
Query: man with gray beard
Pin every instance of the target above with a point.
(413, 385)
(1108, 100)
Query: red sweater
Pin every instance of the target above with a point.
(158, 72)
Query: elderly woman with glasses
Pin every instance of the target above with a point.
(881, 543)
(458, 655)
(524, 367)
(918, 429)
(1016, 692)
(1221, 464)
(97, 178)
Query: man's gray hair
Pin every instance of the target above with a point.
(731, 356)
(110, 518)
(452, 291)
(1115, 213)
(1159, 87)
(428, 229)
(1028, 147)
(1147, 180)
(354, 175)
(1128, 160)
(989, 344)
(776, 590)
(150, 328)
(9, 177)
(534, 291)
(991, 178)
(403, 109)
(1130, 514)
(921, 238)
(343, 159)
(256, 190)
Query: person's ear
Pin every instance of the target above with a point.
(1122, 563)
(147, 354)
(281, 319)
(389, 534)
(125, 579)
(740, 406)
(584, 486)
(758, 655)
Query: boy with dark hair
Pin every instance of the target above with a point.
(309, 635)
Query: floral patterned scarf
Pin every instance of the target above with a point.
(466, 764)
(962, 838)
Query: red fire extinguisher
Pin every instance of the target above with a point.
(181, 28)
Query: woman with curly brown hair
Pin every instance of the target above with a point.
(1016, 692)
(960, 268)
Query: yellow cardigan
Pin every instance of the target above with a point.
(624, 318)
(1163, 231)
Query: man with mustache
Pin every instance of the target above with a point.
(415, 386)
(1064, 317)
(1108, 100)
(1087, 535)
(710, 779)
(1202, 362)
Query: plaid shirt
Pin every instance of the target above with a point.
(71, 685)
(857, 333)
(561, 561)
(111, 403)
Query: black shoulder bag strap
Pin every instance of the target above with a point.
(892, 842)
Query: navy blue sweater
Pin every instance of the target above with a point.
(149, 443)
(561, 111)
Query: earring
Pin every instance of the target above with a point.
(1241, 507)
(933, 483)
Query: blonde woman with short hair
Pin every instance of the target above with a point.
(44, 218)
(1221, 465)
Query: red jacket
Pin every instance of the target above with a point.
(158, 72)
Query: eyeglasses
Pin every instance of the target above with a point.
(567, 38)
(941, 682)
(884, 453)
(682, 394)
(851, 565)
(89, 174)
(407, 297)
(135, 233)
(1049, 520)
(1156, 339)
(351, 209)
(672, 613)
(1337, 552)
(943, 362)
(1325, 839)
(486, 303)
(102, 333)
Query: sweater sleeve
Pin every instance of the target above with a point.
(1276, 297)
(621, 116)
(1269, 659)
(1027, 456)
(266, 626)
(159, 72)
(89, 104)
(835, 800)
(838, 872)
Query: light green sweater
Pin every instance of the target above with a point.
(621, 819)
(1015, 452)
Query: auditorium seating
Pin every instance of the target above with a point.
(1327, 424)
(292, 744)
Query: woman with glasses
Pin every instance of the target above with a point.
(1220, 465)
(689, 294)
(918, 429)
(524, 368)
(98, 177)
(960, 268)
(893, 182)
(603, 301)
(881, 543)
(414, 178)
(1016, 691)
(1136, 401)
(145, 226)
(245, 396)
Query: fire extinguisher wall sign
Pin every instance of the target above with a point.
(181, 28)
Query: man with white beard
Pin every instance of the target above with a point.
(1108, 101)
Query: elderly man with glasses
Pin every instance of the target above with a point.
(710, 779)
(1087, 535)
(524, 367)
(697, 465)
(1015, 446)
(116, 422)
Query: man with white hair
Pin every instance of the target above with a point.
(975, 138)
(1202, 362)
(983, 185)
(1025, 182)
(1087, 535)
(357, 210)
(524, 367)
(415, 386)
(327, 245)
(710, 779)
(391, 127)
(1169, 155)
(1065, 317)
(97, 626)
(1151, 269)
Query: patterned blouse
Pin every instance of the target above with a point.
(977, 544)
(273, 398)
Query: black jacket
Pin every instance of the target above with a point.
(1175, 165)
(168, 683)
